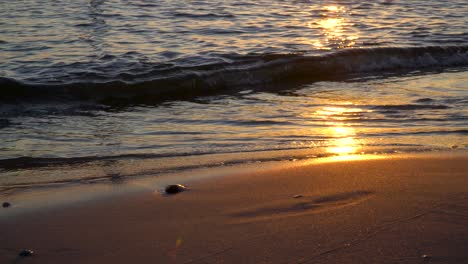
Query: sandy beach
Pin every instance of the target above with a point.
(400, 209)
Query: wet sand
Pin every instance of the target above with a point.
(402, 209)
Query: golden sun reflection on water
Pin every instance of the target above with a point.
(336, 29)
(343, 142)
(345, 146)
(334, 8)
(331, 24)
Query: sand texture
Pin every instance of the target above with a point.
(391, 210)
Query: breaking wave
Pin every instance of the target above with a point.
(155, 82)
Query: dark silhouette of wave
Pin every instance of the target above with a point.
(162, 82)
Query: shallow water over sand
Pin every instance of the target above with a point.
(421, 111)
(405, 113)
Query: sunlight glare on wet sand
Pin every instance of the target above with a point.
(344, 142)
(344, 146)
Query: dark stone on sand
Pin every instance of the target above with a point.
(175, 188)
(26, 253)
(6, 204)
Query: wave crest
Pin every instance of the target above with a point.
(254, 70)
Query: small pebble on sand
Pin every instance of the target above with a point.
(297, 196)
(175, 188)
(6, 204)
(26, 253)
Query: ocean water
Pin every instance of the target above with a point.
(103, 89)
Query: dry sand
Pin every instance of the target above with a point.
(391, 210)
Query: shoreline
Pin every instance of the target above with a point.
(53, 196)
(44, 172)
(383, 210)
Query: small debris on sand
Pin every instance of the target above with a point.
(298, 196)
(175, 188)
(26, 253)
(6, 204)
(425, 257)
